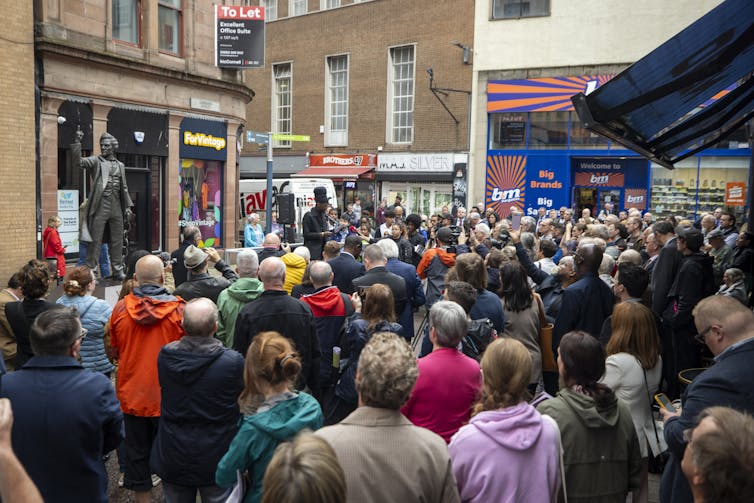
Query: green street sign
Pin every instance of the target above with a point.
(290, 137)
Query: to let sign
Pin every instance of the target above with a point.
(239, 36)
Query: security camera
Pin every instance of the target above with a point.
(61, 120)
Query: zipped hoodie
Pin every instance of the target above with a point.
(434, 264)
(229, 303)
(507, 455)
(260, 434)
(601, 449)
(142, 322)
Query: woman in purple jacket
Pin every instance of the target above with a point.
(508, 452)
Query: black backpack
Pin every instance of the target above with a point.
(480, 334)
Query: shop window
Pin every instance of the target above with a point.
(548, 130)
(508, 130)
(297, 7)
(336, 101)
(126, 21)
(583, 138)
(401, 95)
(169, 33)
(201, 199)
(514, 9)
(270, 9)
(331, 4)
(282, 107)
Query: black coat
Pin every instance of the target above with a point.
(393, 281)
(204, 285)
(275, 310)
(20, 316)
(663, 275)
(345, 269)
(313, 225)
(180, 273)
(200, 382)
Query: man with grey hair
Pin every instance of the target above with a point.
(478, 238)
(191, 236)
(245, 289)
(200, 381)
(375, 262)
(276, 311)
(449, 381)
(330, 308)
(414, 290)
(383, 455)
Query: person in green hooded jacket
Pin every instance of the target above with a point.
(242, 291)
(273, 413)
(601, 451)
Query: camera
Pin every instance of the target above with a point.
(455, 231)
(165, 257)
(503, 240)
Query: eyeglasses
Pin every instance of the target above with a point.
(701, 337)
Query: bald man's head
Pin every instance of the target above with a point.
(272, 273)
(588, 258)
(320, 273)
(271, 240)
(200, 317)
(149, 270)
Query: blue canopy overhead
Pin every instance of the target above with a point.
(688, 94)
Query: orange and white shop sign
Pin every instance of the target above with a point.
(735, 194)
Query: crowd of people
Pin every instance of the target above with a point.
(298, 374)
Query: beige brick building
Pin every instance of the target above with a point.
(353, 76)
(17, 150)
(144, 71)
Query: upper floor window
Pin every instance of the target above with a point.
(331, 4)
(169, 26)
(126, 21)
(336, 101)
(270, 9)
(513, 9)
(401, 95)
(297, 7)
(282, 107)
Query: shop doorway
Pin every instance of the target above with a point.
(140, 232)
(610, 196)
(585, 197)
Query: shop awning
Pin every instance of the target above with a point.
(342, 172)
(686, 95)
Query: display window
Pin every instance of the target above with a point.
(426, 199)
(201, 199)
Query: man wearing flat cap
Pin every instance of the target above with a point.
(199, 282)
(314, 224)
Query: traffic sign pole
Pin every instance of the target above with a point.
(268, 206)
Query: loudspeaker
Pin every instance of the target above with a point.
(286, 208)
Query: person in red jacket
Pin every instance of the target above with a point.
(53, 246)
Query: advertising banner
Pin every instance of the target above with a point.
(344, 160)
(425, 163)
(68, 211)
(539, 95)
(239, 36)
(635, 198)
(735, 194)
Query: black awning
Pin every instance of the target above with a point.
(688, 94)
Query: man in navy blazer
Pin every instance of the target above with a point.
(66, 417)
(727, 328)
(414, 289)
(345, 267)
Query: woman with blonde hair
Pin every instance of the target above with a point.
(53, 249)
(376, 314)
(508, 451)
(273, 412)
(94, 313)
(304, 470)
(633, 370)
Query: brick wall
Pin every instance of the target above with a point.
(17, 150)
(365, 31)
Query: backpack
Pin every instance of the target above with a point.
(480, 334)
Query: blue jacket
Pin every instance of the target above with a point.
(488, 305)
(357, 336)
(345, 269)
(200, 382)
(728, 383)
(584, 306)
(94, 313)
(65, 419)
(414, 291)
(260, 434)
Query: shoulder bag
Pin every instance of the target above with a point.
(659, 454)
(545, 338)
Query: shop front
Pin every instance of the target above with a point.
(539, 155)
(352, 175)
(425, 182)
(201, 172)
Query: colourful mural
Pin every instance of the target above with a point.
(539, 95)
(506, 183)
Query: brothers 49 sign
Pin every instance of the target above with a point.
(239, 36)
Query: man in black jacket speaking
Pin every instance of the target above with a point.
(314, 224)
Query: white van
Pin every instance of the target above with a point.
(253, 194)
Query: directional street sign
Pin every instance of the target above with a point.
(290, 137)
(254, 137)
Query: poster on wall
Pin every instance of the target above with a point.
(505, 187)
(68, 211)
(735, 194)
(239, 36)
(200, 203)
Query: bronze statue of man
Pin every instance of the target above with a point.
(109, 204)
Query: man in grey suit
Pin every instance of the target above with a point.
(383, 455)
(108, 204)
